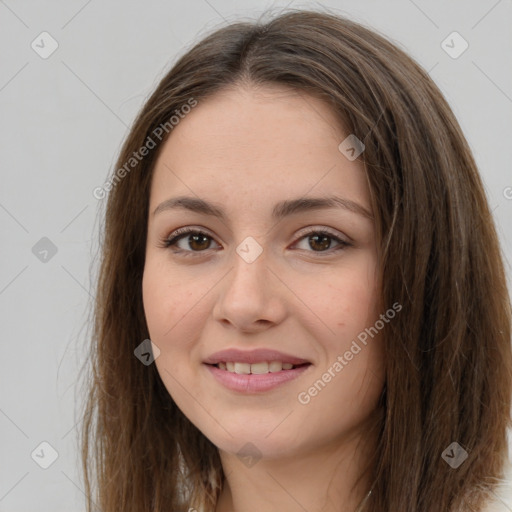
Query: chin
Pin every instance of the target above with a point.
(256, 440)
(257, 448)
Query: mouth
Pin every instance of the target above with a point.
(255, 371)
(259, 368)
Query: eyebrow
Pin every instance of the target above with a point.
(280, 210)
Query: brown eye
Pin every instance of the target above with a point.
(199, 242)
(321, 242)
(194, 241)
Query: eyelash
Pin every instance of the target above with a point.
(182, 232)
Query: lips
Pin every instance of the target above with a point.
(254, 371)
(253, 357)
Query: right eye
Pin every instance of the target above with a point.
(197, 241)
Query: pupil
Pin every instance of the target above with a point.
(195, 239)
(325, 240)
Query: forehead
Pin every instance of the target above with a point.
(262, 142)
(258, 121)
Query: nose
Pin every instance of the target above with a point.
(251, 298)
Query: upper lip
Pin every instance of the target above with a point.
(253, 356)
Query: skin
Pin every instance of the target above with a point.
(247, 148)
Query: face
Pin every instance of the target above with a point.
(256, 294)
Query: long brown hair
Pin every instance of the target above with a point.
(449, 360)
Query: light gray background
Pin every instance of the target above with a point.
(62, 122)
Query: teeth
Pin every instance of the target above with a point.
(244, 368)
(275, 366)
(259, 368)
(255, 368)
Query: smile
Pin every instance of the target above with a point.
(255, 368)
(254, 371)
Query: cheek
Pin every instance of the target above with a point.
(343, 392)
(175, 309)
(346, 303)
(168, 302)
(348, 306)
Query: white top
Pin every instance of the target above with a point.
(502, 500)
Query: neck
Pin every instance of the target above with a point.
(319, 480)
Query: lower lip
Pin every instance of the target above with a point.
(254, 383)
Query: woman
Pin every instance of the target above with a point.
(297, 224)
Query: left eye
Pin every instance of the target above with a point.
(319, 241)
(199, 241)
